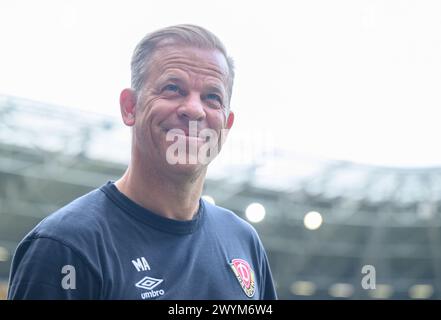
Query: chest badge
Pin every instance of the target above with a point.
(245, 276)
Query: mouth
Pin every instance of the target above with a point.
(183, 132)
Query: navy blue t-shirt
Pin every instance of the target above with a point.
(105, 246)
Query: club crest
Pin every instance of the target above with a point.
(245, 276)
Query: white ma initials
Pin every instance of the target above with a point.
(141, 264)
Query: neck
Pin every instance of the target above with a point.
(174, 197)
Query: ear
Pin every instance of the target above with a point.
(230, 120)
(127, 102)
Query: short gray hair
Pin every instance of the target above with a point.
(184, 34)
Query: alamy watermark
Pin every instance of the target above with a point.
(200, 146)
(368, 281)
(69, 281)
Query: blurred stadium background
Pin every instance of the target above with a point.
(321, 221)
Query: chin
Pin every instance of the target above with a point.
(189, 170)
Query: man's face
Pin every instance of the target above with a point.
(185, 89)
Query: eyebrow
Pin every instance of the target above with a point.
(171, 78)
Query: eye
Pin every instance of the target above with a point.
(171, 87)
(213, 96)
(214, 99)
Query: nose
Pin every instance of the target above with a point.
(192, 108)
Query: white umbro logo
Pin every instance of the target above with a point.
(148, 283)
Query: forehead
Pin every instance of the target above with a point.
(194, 61)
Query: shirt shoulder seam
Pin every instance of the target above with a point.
(69, 246)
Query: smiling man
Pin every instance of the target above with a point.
(150, 235)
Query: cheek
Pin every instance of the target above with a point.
(146, 104)
(146, 110)
(216, 121)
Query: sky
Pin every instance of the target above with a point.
(350, 80)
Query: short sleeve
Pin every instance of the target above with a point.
(44, 268)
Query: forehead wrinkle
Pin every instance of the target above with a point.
(181, 59)
(194, 68)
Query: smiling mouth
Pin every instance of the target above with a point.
(181, 132)
(191, 138)
(184, 133)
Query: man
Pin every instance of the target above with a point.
(149, 235)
